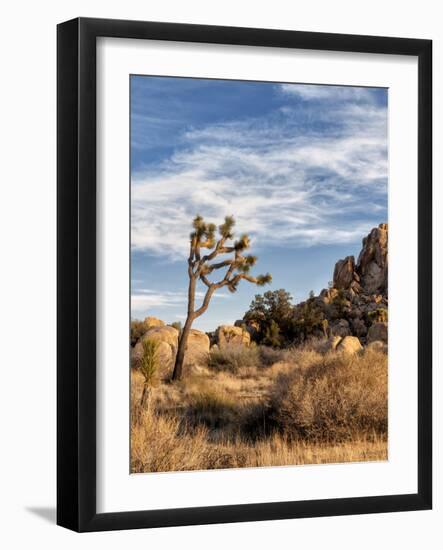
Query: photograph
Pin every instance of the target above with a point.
(259, 274)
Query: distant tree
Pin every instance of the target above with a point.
(177, 325)
(272, 336)
(308, 319)
(200, 267)
(273, 306)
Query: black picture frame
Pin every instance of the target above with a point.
(76, 281)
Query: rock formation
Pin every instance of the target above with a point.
(197, 348)
(349, 345)
(356, 304)
(168, 341)
(344, 273)
(372, 265)
(378, 332)
(150, 322)
(370, 274)
(196, 351)
(230, 335)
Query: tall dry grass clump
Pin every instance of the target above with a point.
(232, 358)
(159, 444)
(336, 398)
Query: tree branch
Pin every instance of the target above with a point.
(225, 263)
(205, 280)
(212, 288)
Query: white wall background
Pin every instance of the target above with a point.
(27, 272)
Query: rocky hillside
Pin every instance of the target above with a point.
(370, 275)
(356, 303)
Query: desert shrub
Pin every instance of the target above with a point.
(211, 400)
(305, 355)
(272, 335)
(336, 398)
(212, 408)
(160, 444)
(379, 315)
(340, 306)
(268, 356)
(138, 329)
(177, 325)
(234, 357)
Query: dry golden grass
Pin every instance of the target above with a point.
(307, 408)
(161, 444)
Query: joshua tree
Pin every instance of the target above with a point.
(200, 266)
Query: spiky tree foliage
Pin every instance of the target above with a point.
(205, 247)
(148, 367)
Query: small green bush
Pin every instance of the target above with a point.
(379, 315)
(149, 367)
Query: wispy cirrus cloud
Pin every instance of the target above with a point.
(311, 172)
(330, 93)
(144, 299)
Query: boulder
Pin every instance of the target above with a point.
(151, 322)
(340, 328)
(372, 265)
(349, 345)
(251, 326)
(231, 335)
(359, 327)
(344, 273)
(165, 357)
(197, 348)
(168, 342)
(166, 334)
(330, 344)
(378, 331)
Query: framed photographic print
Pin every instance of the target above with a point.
(244, 274)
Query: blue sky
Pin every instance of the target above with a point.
(303, 168)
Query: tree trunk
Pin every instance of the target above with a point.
(144, 401)
(183, 340)
(180, 357)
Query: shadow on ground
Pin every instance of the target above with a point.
(46, 513)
